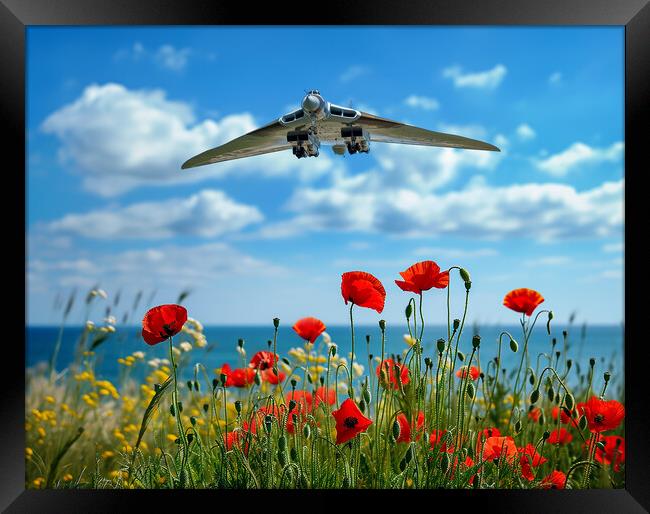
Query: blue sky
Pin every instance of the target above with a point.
(112, 113)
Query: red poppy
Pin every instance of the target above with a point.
(474, 372)
(464, 466)
(240, 377)
(495, 447)
(309, 328)
(303, 399)
(237, 436)
(603, 415)
(387, 373)
(523, 300)
(349, 421)
(614, 452)
(555, 480)
(405, 427)
(261, 414)
(560, 436)
(484, 434)
(529, 459)
(162, 322)
(422, 276)
(324, 395)
(435, 441)
(263, 360)
(268, 376)
(564, 417)
(535, 414)
(363, 289)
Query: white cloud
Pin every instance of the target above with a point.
(578, 154)
(208, 213)
(545, 212)
(613, 248)
(353, 72)
(422, 102)
(119, 139)
(555, 78)
(162, 266)
(455, 253)
(174, 59)
(550, 260)
(489, 79)
(525, 132)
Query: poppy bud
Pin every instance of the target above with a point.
(240, 343)
(607, 376)
(534, 396)
(569, 363)
(190, 438)
(193, 420)
(180, 406)
(600, 445)
(196, 386)
(269, 343)
(456, 324)
(333, 350)
(366, 395)
(444, 462)
(396, 429)
(258, 379)
(276, 322)
(282, 443)
(551, 394)
(464, 275)
(189, 385)
(476, 341)
(408, 311)
(294, 383)
(292, 405)
(238, 407)
(206, 407)
(468, 285)
(286, 361)
(172, 410)
(583, 422)
(282, 458)
(156, 387)
(409, 454)
(470, 390)
(548, 323)
(382, 324)
(293, 453)
(517, 427)
(461, 356)
(306, 431)
(542, 419)
(441, 345)
(427, 362)
(553, 342)
(362, 406)
(546, 435)
(532, 377)
(592, 362)
(215, 383)
(514, 346)
(569, 401)
(402, 465)
(223, 378)
(309, 379)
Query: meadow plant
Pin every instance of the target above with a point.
(314, 419)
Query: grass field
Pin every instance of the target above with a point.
(327, 415)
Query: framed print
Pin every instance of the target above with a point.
(357, 251)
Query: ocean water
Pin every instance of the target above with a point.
(604, 343)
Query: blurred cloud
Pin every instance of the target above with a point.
(488, 79)
(577, 155)
(422, 102)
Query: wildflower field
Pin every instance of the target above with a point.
(454, 418)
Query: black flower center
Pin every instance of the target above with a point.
(350, 421)
(599, 418)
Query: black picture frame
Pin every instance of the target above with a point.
(16, 15)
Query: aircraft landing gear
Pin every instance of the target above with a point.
(361, 147)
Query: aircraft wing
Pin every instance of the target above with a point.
(267, 139)
(389, 131)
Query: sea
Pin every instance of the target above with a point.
(604, 343)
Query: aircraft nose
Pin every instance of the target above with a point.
(311, 103)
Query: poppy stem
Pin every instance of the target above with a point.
(177, 413)
(350, 371)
